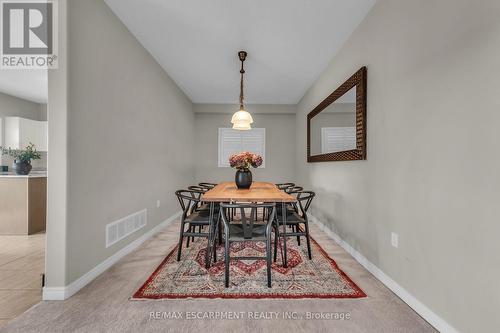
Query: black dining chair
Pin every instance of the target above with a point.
(283, 187)
(247, 228)
(298, 218)
(199, 191)
(204, 206)
(290, 189)
(192, 218)
(293, 190)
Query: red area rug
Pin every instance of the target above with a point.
(304, 278)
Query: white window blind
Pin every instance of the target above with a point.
(335, 139)
(234, 141)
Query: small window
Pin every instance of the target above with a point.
(335, 139)
(234, 141)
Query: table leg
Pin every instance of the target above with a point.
(283, 213)
(208, 254)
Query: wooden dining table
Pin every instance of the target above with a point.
(259, 192)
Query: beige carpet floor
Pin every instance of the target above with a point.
(104, 305)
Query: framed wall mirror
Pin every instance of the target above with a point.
(336, 128)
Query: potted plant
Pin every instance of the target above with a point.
(243, 162)
(22, 158)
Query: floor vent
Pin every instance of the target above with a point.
(124, 227)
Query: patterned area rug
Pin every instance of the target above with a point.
(304, 278)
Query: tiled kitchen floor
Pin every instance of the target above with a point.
(22, 261)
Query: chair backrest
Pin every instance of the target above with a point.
(248, 216)
(197, 188)
(304, 199)
(294, 189)
(207, 185)
(284, 186)
(188, 200)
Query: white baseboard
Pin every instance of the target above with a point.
(54, 293)
(426, 313)
(62, 293)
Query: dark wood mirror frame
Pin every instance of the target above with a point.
(358, 80)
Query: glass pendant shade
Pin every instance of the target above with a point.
(242, 120)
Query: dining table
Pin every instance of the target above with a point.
(259, 192)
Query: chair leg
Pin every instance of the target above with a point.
(217, 235)
(268, 259)
(308, 240)
(285, 259)
(297, 230)
(211, 236)
(226, 264)
(276, 240)
(215, 251)
(181, 238)
(219, 225)
(190, 229)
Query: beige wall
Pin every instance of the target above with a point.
(432, 173)
(11, 106)
(129, 133)
(280, 142)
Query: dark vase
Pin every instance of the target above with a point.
(243, 178)
(22, 168)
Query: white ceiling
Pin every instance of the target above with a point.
(290, 42)
(26, 84)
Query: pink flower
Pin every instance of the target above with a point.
(245, 160)
(256, 160)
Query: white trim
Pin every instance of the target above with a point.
(439, 323)
(54, 293)
(62, 293)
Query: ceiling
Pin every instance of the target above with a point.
(29, 84)
(289, 43)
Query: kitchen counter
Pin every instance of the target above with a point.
(33, 174)
(23, 201)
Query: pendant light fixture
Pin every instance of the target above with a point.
(242, 120)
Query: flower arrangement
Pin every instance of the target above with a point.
(22, 155)
(245, 160)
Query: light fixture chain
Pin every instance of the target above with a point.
(242, 119)
(242, 71)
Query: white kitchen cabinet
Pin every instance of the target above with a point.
(19, 132)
